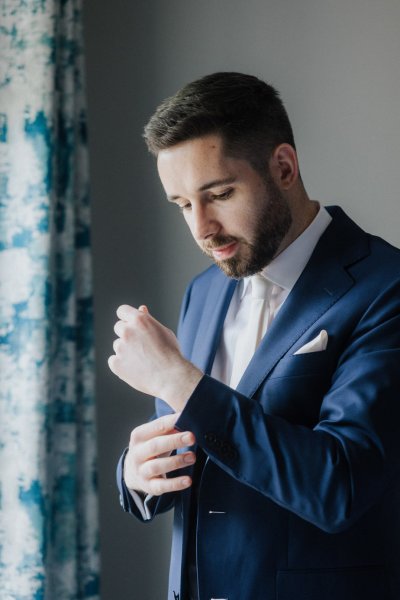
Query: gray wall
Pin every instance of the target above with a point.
(337, 64)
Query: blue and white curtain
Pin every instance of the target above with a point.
(48, 498)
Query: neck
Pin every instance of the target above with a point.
(303, 212)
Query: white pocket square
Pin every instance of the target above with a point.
(318, 344)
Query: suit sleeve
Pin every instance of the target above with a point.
(330, 474)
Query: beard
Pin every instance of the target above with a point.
(271, 226)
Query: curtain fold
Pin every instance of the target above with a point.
(48, 490)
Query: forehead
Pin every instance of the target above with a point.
(198, 152)
(189, 165)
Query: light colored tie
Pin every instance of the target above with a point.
(259, 317)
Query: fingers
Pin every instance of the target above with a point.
(159, 437)
(164, 465)
(126, 315)
(116, 345)
(162, 445)
(158, 486)
(151, 457)
(150, 476)
(121, 328)
(126, 312)
(111, 363)
(160, 426)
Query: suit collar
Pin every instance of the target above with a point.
(285, 269)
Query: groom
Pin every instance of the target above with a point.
(276, 437)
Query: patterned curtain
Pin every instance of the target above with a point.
(48, 497)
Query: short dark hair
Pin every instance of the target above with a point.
(246, 112)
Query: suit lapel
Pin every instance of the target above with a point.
(323, 281)
(211, 323)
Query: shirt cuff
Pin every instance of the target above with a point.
(144, 504)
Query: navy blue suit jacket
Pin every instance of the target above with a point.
(299, 498)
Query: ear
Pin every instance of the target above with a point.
(284, 166)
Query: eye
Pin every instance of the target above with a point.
(224, 195)
(183, 207)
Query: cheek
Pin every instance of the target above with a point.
(244, 224)
(256, 215)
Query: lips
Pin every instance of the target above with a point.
(224, 252)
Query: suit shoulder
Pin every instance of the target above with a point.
(384, 248)
(199, 286)
(386, 256)
(365, 251)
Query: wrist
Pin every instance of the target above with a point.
(182, 382)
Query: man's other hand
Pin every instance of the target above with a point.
(150, 457)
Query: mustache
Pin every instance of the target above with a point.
(219, 241)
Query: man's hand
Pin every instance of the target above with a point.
(147, 357)
(149, 457)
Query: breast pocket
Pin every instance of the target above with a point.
(296, 387)
(297, 365)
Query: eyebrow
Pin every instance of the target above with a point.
(207, 186)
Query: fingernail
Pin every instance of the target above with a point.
(186, 481)
(186, 438)
(189, 459)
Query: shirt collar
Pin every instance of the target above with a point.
(286, 268)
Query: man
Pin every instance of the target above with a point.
(280, 456)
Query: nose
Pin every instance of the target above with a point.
(203, 223)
